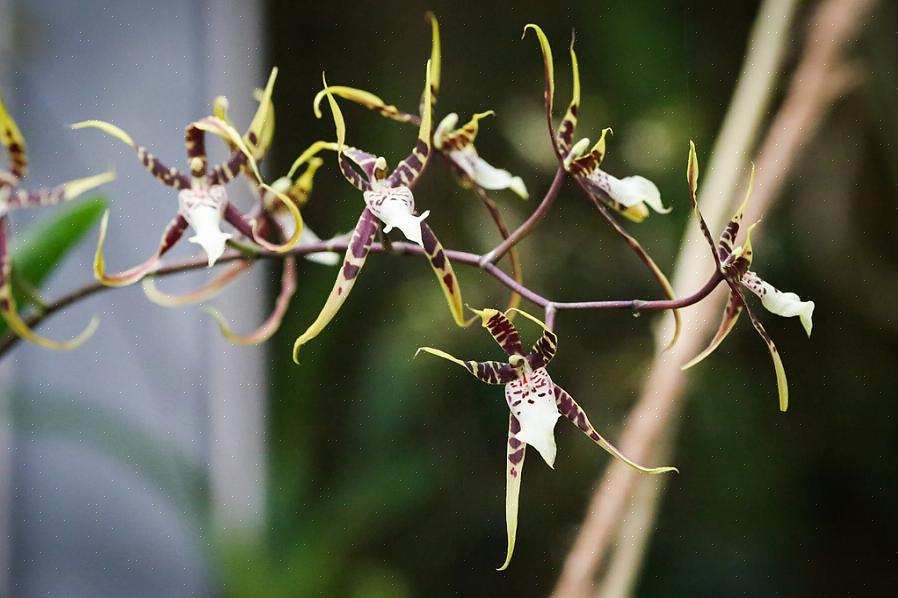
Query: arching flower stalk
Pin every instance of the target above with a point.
(535, 403)
(13, 197)
(734, 263)
(202, 198)
(388, 200)
(630, 196)
(454, 145)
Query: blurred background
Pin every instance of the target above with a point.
(159, 461)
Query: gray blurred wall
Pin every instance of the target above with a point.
(122, 456)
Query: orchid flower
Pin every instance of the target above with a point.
(628, 196)
(202, 198)
(11, 198)
(454, 145)
(734, 263)
(388, 200)
(535, 403)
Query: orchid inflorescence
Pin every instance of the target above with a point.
(274, 228)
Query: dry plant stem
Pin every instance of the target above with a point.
(340, 244)
(819, 79)
(528, 225)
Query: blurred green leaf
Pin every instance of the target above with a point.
(40, 249)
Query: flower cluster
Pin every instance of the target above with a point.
(274, 229)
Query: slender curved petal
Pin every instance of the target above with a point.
(407, 171)
(568, 124)
(366, 99)
(692, 179)
(349, 172)
(543, 350)
(490, 372)
(549, 66)
(730, 317)
(167, 175)
(353, 261)
(571, 410)
(273, 322)
(60, 193)
(172, 234)
(442, 268)
(206, 292)
(515, 452)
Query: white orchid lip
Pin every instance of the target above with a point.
(486, 175)
(395, 207)
(531, 399)
(785, 304)
(203, 208)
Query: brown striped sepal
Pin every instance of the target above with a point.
(692, 181)
(353, 261)
(166, 175)
(444, 272)
(731, 314)
(173, 233)
(569, 408)
(489, 372)
(448, 138)
(502, 330)
(408, 171)
(515, 451)
(14, 142)
(568, 125)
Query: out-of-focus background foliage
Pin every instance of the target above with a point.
(385, 475)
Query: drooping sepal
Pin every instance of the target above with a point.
(173, 232)
(353, 261)
(730, 317)
(782, 384)
(208, 291)
(442, 269)
(569, 408)
(489, 372)
(515, 451)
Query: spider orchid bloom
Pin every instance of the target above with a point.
(734, 263)
(11, 198)
(535, 403)
(388, 200)
(630, 196)
(202, 198)
(456, 145)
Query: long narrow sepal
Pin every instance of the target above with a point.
(692, 181)
(167, 175)
(49, 196)
(18, 325)
(273, 322)
(366, 99)
(436, 56)
(408, 171)
(782, 384)
(568, 126)
(11, 138)
(728, 236)
(173, 232)
(730, 317)
(353, 261)
(208, 291)
(490, 372)
(549, 66)
(445, 274)
(502, 330)
(515, 452)
(569, 408)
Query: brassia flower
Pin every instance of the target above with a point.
(275, 221)
(202, 198)
(628, 196)
(535, 403)
(12, 197)
(734, 263)
(388, 200)
(454, 145)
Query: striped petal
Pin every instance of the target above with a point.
(568, 125)
(58, 194)
(731, 231)
(692, 180)
(449, 138)
(549, 67)
(442, 268)
(502, 330)
(165, 174)
(515, 452)
(408, 171)
(273, 322)
(787, 305)
(490, 372)
(172, 234)
(353, 261)
(571, 410)
(349, 173)
(730, 317)
(581, 162)
(14, 142)
(543, 350)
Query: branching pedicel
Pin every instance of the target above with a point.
(534, 400)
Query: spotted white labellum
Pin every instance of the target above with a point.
(395, 207)
(203, 209)
(783, 304)
(485, 174)
(531, 399)
(633, 192)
